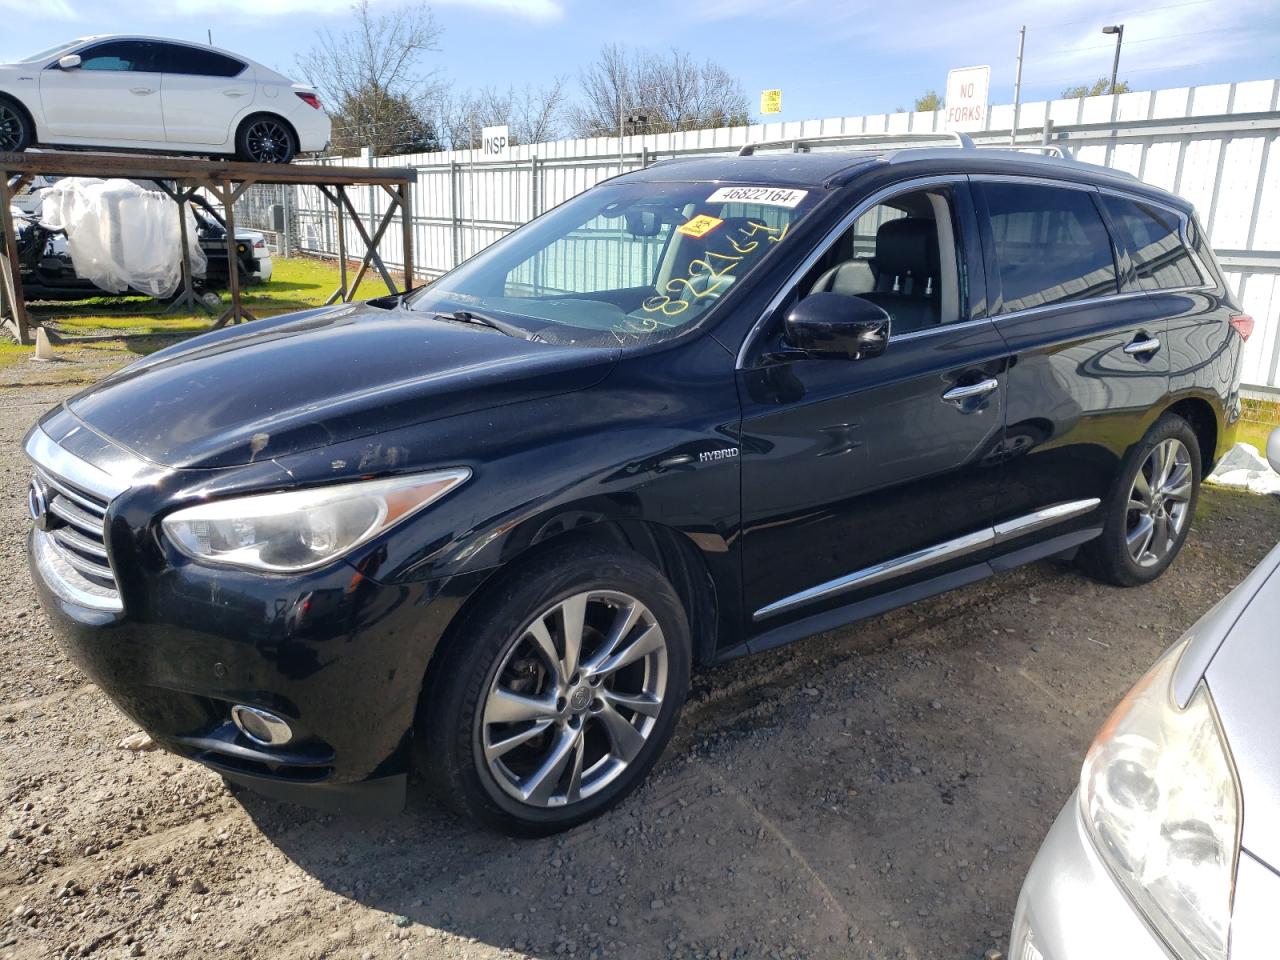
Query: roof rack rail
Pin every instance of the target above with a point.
(802, 144)
(1048, 149)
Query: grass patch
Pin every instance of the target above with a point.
(11, 353)
(297, 284)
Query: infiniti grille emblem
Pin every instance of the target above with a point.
(38, 504)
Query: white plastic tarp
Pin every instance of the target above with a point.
(122, 236)
(1245, 468)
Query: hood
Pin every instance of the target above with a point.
(1242, 679)
(276, 387)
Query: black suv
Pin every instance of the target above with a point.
(695, 412)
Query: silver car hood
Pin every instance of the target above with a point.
(1243, 675)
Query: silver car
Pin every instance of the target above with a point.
(1170, 846)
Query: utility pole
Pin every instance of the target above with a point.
(1017, 86)
(1118, 30)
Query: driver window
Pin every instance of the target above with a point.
(903, 255)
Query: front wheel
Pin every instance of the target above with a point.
(265, 139)
(15, 130)
(558, 692)
(1149, 515)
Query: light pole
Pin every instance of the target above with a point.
(1118, 30)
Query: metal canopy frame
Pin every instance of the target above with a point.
(226, 181)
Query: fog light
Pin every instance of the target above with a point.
(260, 726)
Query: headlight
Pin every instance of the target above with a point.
(1161, 800)
(302, 529)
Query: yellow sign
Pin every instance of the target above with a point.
(771, 101)
(699, 226)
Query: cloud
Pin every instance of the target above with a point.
(1064, 42)
(537, 10)
(57, 9)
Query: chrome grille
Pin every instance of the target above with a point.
(70, 540)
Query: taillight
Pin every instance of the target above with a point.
(260, 245)
(310, 99)
(1243, 324)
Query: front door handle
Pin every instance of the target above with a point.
(142, 91)
(971, 390)
(1141, 348)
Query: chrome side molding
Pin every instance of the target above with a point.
(1003, 531)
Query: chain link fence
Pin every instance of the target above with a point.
(271, 209)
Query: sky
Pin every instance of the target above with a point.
(829, 57)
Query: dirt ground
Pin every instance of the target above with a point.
(875, 792)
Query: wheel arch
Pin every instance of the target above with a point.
(254, 114)
(1203, 420)
(671, 551)
(26, 112)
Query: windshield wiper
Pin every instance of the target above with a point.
(484, 319)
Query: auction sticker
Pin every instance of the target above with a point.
(699, 226)
(770, 196)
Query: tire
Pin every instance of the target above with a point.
(1132, 550)
(498, 661)
(16, 133)
(264, 138)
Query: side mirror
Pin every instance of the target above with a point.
(1273, 449)
(69, 62)
(835, 325)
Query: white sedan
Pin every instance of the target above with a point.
(1170, 847)
(147, 93)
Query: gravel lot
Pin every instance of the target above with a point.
(875, 792)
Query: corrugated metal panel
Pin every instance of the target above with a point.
(1215, 145)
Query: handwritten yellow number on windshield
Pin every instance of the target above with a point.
(712, 272)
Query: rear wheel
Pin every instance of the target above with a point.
(558, 693)
(265, 139)
(15, 129)
(1149, 516)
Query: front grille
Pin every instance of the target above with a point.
(73, 541)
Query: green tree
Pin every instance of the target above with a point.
(1099, 87)
(929, 100)
(391, 124)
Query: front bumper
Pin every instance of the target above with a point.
(340, 656)
(1071, 908)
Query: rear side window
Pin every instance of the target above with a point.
(1160, 256)
(192, 61)
(1051, 245)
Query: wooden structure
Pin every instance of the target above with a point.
(225, 181)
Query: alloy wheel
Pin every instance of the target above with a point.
(1158, 502)
(574, 699)
(10, 129)
(267, 141)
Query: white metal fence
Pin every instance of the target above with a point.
(1214, 145)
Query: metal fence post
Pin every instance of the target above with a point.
(454, 224)
(533, 187)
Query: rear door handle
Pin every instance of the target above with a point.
(971, 390)
(1140, 348)
(233, 93)
(143, 91)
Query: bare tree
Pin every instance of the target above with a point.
(672, 92)
(372, 73)
(533, 115)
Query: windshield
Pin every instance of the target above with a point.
(45, 54)
(622, 264)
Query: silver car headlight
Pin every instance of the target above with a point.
(302, 529)
(1161, 800)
